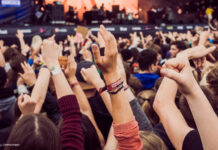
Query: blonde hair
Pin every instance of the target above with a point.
(151, 141)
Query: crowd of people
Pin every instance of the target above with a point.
(150, 92)
(188, 12)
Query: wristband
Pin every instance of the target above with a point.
(101, 90)
(22, 89)
(55, 71)
(117, 90)
(114, 85)
(126, 87)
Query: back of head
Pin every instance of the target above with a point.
(180, 45)
(91, 140)
(212, 80)
(185, 110)
(10, 53)
(146, 59)
(151, 141)
(36, 42)
(15, 63)
(34, 132)
(126, 54)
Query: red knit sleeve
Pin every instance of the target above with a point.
(127, 135)
(71, 132)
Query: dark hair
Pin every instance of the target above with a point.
(212, 80)
(3, 77)
(126, 54)
(34, 132)
(146, 59)
(135, 53)
(180, 45)
(91, 140)
(185, 110)
(15, 63)
(10, 52)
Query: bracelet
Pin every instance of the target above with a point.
(114, 85)
(118, 90)
(101, 90)
(55, 71)
(126, 87)
(22, 89)
(74, 84)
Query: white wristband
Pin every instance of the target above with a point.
(22, 89)
(55, 71)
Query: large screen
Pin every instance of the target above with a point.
(10, 3)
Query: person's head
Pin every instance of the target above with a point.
(212, 80)
(36, 42)
(10, 53)
(151, 141)
(127, 55)
(15, 63)
(34, 132)
(3, 77)
(148, 61)
(91, 140)
(135, 54)
(185, 110)
(176, 47)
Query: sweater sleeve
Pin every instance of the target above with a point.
(71, 132)
(127, 135)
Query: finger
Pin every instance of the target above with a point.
(212, 57)
(23, 67)
(96, 52)
(20, 99)
(171, 74)
(21, 75)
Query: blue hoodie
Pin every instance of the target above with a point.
(147, 79)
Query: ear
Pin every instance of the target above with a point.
(152, 68)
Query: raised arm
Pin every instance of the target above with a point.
(204, 116)
(71, 132)
(121, 111)
(92, 76)
(40, 85)
(170, 116)
(24, 47)
(80, 95)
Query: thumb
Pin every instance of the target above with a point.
(20, 99)
(96, 52)
(171, 74)
(211, 49)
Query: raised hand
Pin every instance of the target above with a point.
(91, 75)
(26, 104)
(108, 63)
(19, 34)
(50, 53)
(70, 71)
(28, 76)
(180, 71)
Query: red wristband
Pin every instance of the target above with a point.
(114, 85)
(101, 90)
